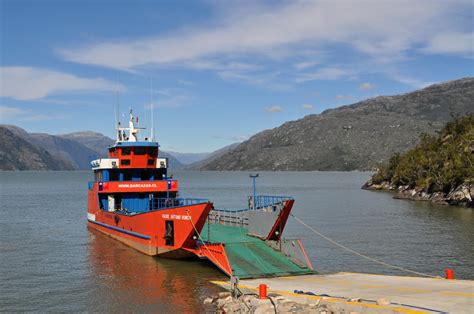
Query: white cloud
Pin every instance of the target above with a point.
(14, 113)
(268, 80)
(27, 83)
(451, 43)
(329, 73)
(305, 65)
(174, 101)
(233, 138)
(186, 83)
(344, 97)
(410, 81)
(170, 98)
(366, 86)
(273, 109)
(221, 65)
(307, 106)
(378, 28)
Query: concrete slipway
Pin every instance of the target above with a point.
(406, 294)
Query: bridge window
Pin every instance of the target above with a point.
(127, 175)
(139, 151)
(125, 162)
(151, 162)
(114, 175)
(125, 151)
(98, 176)
(145, 175)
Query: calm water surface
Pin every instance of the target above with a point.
(50, 261)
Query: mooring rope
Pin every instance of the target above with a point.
(360, 254)
(204, 243)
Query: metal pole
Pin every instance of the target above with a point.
(208, 230)
(254, 177)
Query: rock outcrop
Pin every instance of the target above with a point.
(462, 195)
(440, 169)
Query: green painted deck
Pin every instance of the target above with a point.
(249, 256)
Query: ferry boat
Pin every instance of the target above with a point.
(133, 200)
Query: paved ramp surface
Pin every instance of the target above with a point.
(251, 257)
(424, 295)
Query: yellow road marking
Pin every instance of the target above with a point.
(378, 275)
(373, 286)
(461, 294)
(409, 289)
(342, 282)
(312, 279)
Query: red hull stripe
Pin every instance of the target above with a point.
(138, 235)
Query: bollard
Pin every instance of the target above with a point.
(262, 288)
(449, 273)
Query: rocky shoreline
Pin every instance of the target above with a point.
(274, 303)
(462, 195)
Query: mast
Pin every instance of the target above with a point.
(152, 131)
(117, 122)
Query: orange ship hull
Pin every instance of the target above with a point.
(147, 231)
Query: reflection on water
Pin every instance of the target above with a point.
(125, 280)
(50, 261)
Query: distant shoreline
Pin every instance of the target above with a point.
(461, 195)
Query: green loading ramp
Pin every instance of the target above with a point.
(251, 257)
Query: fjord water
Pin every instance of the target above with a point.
(50, 261)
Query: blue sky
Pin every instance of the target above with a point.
(222, 71)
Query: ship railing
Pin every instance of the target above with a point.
(228, 217)
(239, 217)
(267, 202)
(163, 203)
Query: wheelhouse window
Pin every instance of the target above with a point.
(139, 151)
(151, 162)
(125, 151)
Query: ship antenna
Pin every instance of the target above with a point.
(117, 110)
(152, 135)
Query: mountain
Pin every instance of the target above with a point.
(354, 137)
(175, 164)
(69, 151)
(201, 164)
(18, 154)
(92, 140)
(76, 153)
(189, 158)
